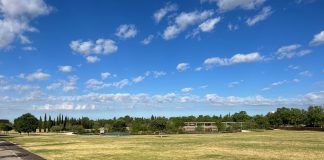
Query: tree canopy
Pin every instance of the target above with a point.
(26, 123)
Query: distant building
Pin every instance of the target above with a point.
(200, 127)
(102, 130)
(4, 121)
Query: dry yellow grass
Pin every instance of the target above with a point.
(292, 145)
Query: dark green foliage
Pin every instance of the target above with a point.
(119, 126)
(77, 129)
(5, 127)
(26, 123)
(56, 128)
(315, 116)
(291, 117)
(158, 125)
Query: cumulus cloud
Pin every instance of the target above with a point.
(6, 86)
(65, 106)
(162, 12)
(105, 75)
(318, 39)
(227, 5)
(126, 31)
(237, 58)
(91, 50)
(261, 16)
(212, 99)
(15, 18)
(99, 47)
(157, 74)
(291, 51)
(138, 79)
(92, 59)
(209, 24)
(186, 90)
(65, 69)
(39, 75)
(121, 84)
(66, 85)
(147, 40)
(182, 67)
(183, 21)
(97, 84)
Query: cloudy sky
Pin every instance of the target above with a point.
(113, 58)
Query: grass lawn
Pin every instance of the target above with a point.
(253, 145)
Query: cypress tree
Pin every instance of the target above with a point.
(45, 123)
(49, 123)
(40, 124)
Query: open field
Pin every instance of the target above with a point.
(253, 145)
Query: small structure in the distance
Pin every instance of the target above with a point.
(200, 127)
(102, 130)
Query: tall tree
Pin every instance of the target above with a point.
(314, 115)
(45, 123)
(26, 123)
(40, 124)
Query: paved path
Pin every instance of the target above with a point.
(10, 151)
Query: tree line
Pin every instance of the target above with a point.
(312, 117)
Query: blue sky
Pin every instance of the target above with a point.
(113, 58)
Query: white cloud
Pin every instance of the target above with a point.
(159, 14)
(275, 84)
(306, 73)
(92, 59)
(291, 51)
(262, 15)
(234, 84)
(24, 40)
(293, 67)
(101, 100)
(67, 85)
(183, 66)
(232, 27)
(39, 75)
(29, 48)
(157, 74)
(296, 80)
(121, 84)
(99, 47)
(65, 69)
(183, 21)
(19, 88)
(94, 84)
(237, 58)
(318, 39)
(15, 18)
(125, 31)
(186, 90)
(105, 75)
(65, 106)
(209, 24)
(147, 40)
(227, 5)
(203, 87)
(138, 79)
(198, 68)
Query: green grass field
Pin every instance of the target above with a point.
(253, 145)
